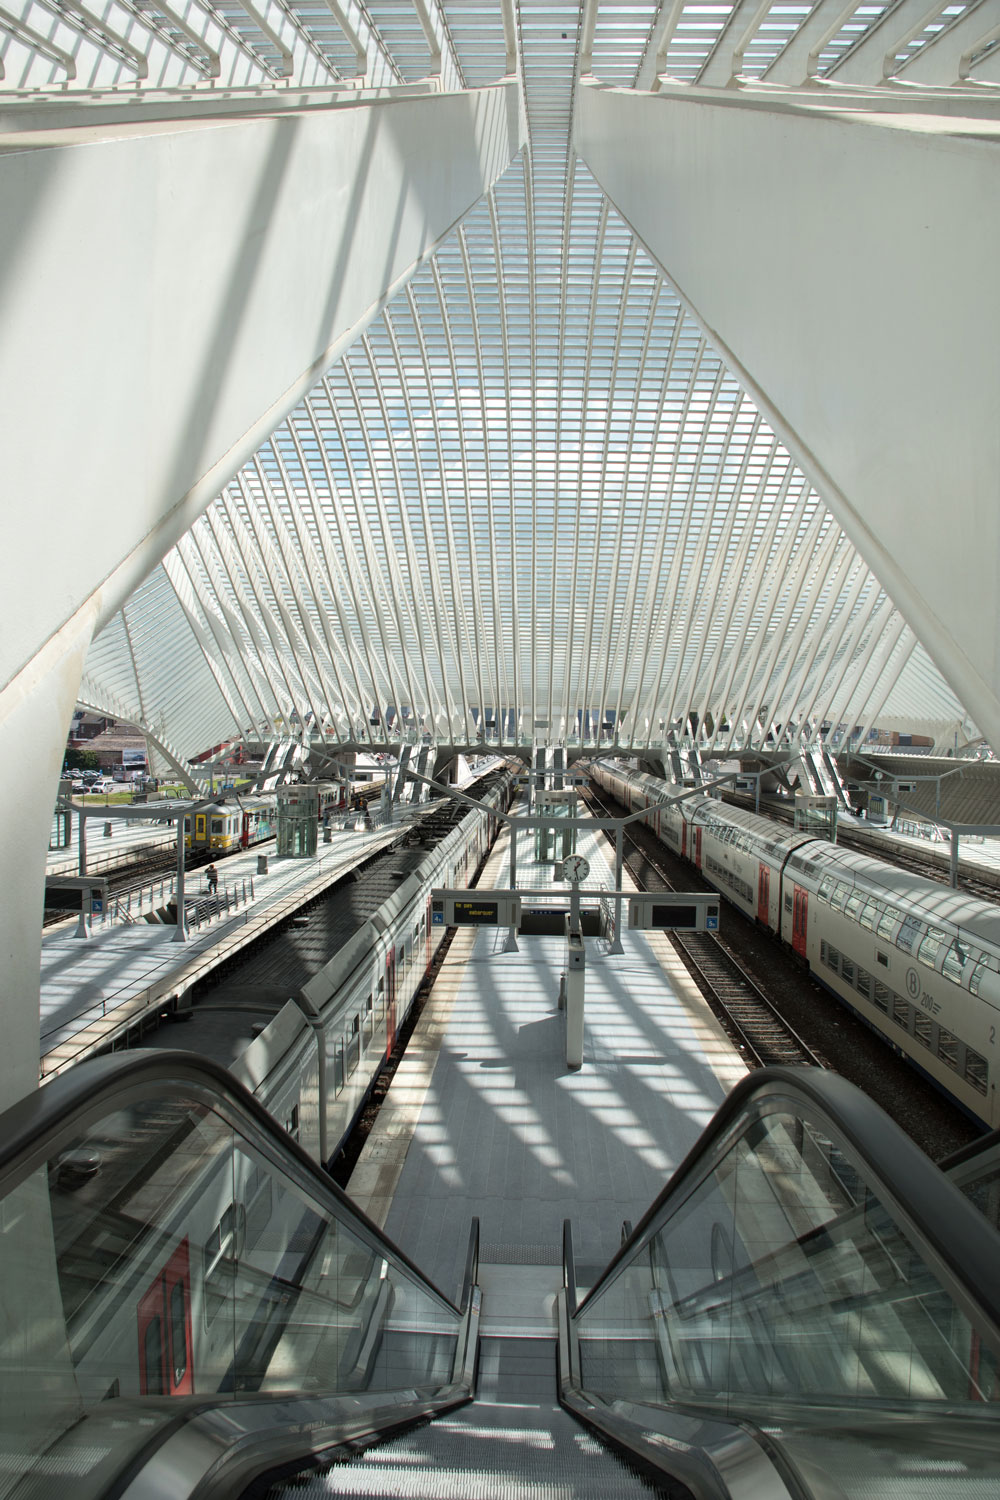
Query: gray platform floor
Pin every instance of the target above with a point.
(502, 1129)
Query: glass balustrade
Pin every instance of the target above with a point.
(166, 1255)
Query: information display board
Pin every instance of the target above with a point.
(475, 908)
(686, 911)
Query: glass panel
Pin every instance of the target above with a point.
(887, 922)
(162, 1251)
(781, 1291)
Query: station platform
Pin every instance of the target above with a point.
(128, 840)
(483, 1117)
(93, 987)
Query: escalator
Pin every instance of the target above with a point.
(810, 1309)
(190, 1308)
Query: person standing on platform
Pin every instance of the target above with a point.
(212, 876)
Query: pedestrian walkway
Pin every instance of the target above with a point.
(484, 1118)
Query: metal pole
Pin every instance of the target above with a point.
(180, 933)
(82, 851)
(616, 945)
(953, 873)
(510, 941)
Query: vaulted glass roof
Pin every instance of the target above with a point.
(530, 501)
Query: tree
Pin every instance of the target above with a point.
(82, 760)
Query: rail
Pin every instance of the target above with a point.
(223, 1307)
(808, 1271)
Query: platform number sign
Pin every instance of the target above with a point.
(712, 920)
(437, 914)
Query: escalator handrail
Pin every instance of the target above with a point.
(28, 1127)
(979, 1147)
(960, 1238)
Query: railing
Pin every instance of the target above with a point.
(186, 1290)
(808, 1271)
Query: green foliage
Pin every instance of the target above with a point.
(82, 760)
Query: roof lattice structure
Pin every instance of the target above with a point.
(530, 501)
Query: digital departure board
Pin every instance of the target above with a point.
(475, 913)
(471, 908)
(685, 911)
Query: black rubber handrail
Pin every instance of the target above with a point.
(942, 1217)
(32, 1128)
(978, 1147)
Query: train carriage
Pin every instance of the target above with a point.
(917, 961)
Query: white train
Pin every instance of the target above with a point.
(917, 961)
(227, 1235)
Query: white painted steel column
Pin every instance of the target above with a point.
(176, 278)
(867, 335)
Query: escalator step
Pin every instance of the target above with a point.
(481, 1453)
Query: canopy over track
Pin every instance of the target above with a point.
(611, 375)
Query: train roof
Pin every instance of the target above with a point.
(931, 901)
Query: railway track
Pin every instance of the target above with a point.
(750, 1018)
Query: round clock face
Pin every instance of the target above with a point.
(576, 867)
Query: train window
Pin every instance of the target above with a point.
(178, 1330)
(865, 983)
(788, 901)
(833, 957)
(975, 1070)
(882, 958)
(825, 887)
(847, 970)
(260, 1204)
(217, 825)
(356, 1025)
(152, 1357)
(219, 1247)
(292, 1123)
(868, 914)
(882, 996)
(854, 903)
(368, 1004)
(901, 1010)
(981, 971)
(839, 897)
(338, 1067)
(929, 948)
(888, 921)
(923, 1029)
(954, 963)
(947, 1047)
(908, 934)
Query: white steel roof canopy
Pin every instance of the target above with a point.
(530, 502)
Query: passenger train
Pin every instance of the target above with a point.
(226, 1231)
(224, 827)
(917, 961)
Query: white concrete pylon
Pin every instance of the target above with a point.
(843, 260)
(151, 253)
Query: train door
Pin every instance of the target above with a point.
(697, 848)
(245, 831)
(390, 1000)
(800, 902)
(684, 836)
(200, 825)
(165, 1330)
(764, 895)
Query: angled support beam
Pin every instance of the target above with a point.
(177, 278)
(868, 336)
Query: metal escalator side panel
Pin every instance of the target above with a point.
(806, 1269)
(168, 1247)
